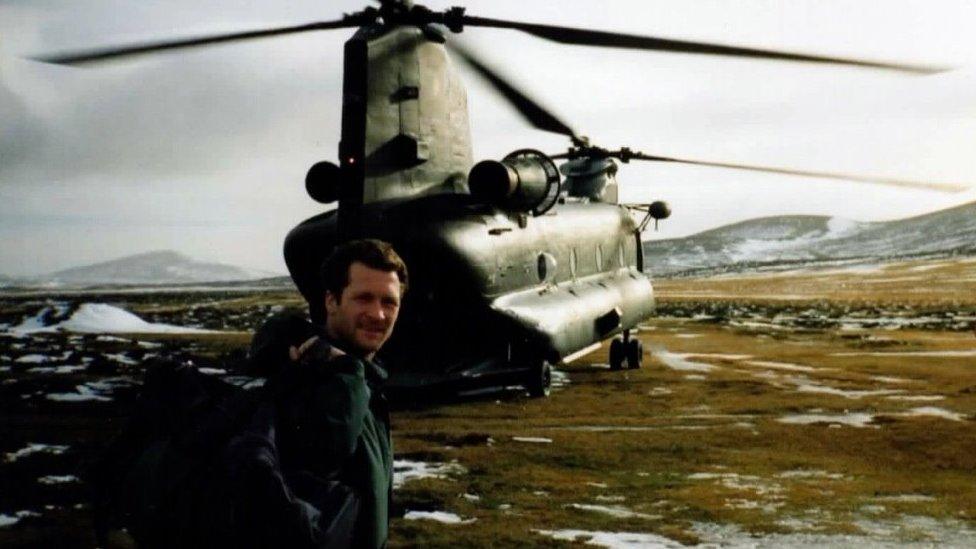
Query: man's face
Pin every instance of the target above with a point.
(361, 319)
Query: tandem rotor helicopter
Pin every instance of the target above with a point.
(516, 264)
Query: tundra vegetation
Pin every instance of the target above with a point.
(816, 407)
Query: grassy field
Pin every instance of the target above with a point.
(772, 410)
(826, 433)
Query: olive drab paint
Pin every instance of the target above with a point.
(495, 293)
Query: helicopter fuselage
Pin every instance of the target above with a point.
(492, 292)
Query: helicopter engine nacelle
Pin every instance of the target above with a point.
(525, 181)
(322, 182)
(591, 178)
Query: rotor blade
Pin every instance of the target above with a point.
(536, 114)
(110, 53)
(585, 37)
(944, 187)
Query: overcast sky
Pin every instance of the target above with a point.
(205, 151)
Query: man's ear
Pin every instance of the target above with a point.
(331, 303)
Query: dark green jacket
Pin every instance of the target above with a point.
(333, 421)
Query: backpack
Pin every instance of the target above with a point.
(197, 466)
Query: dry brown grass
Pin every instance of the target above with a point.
(685, 447)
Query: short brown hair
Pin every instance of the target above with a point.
(372, 253)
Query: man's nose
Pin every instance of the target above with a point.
(375, 310)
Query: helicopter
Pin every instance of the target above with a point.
(516, 264)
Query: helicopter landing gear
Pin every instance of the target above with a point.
(626, 349)
(617, 353)
(635, 353)
(539, 382)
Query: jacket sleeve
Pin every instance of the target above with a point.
(340, 403)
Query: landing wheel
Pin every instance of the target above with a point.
(635, 353)
(539, 382)
(617, 354)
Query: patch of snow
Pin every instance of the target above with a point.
(613, 539)
(960, 353)
(33, 359)
(107, 338)
(689, 336)
(780, 365)
(659, 391)
(212, 371)
(438, 516)
(853, 419)
(55, 369)
(35, 448)
(906, 498)
(105, 318)
(35, 324)
(720, 356)
(679, 362)
(935, 412)
(615, 511)
(471, 497)
(58, 479)
(852, 394)
(406, 470)
(8, 520)
(121, 358)
(84, 394)
(611, 499)
(917, 398)
(764, 506)
(809, 474)
(541, 440)
(695, 377)
(889, 379)
(597, 484)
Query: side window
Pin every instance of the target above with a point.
(599, 258)
(572, 263)
(620, 255)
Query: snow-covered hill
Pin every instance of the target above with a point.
(786, 241)
(159, 267)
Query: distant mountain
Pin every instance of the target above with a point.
(787, 241)
(159, 267)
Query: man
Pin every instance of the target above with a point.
(304, 462)
(331, 417)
